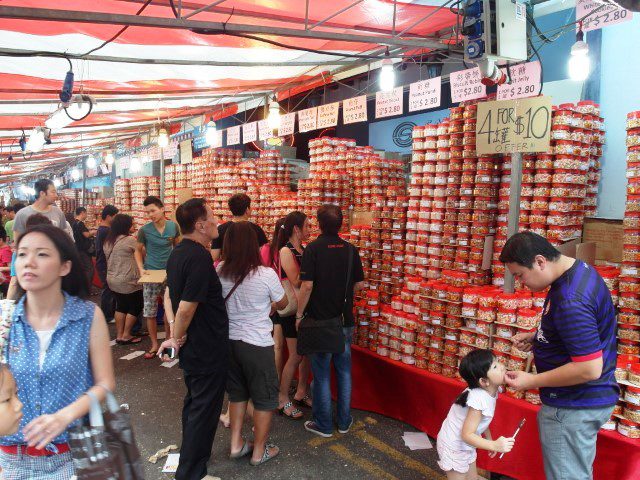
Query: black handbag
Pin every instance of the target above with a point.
(325, 336)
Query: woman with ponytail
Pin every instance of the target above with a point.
(469, 417)
(294, 231)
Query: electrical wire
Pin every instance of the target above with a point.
(86, 98)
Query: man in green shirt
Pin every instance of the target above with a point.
(155, 243)
(12, 215)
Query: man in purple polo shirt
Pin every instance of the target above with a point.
(575, 353)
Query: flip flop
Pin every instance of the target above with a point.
(304, 402)
(131, 341)
(294, 413)
(246, 449)
(150, 354)
(266, 456)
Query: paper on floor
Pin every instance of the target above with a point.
(162, 335)
(133, 355)
(170, 364)
(417, 441)
(172, 463)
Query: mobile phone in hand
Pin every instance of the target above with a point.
(169, 352)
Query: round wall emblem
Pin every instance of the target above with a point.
(402, 134)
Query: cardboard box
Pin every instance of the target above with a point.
(582, 251)
(608, 235)
(184, 194)
(361, 218)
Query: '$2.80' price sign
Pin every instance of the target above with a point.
(389, 103)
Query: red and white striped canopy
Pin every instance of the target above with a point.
(151, 73)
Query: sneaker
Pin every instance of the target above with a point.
(313, 428)
(346, 430)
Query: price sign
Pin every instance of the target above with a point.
(425, 94)
(466, 85)
(605, 16)
(249, 132)
(233, 135)
(217, 140)
(264, 132)
(510, 126)
(328, 115)
(286, 124)
(354, 110)
(389, 104)
(308, 119)
(525, 82)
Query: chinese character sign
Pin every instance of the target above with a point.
(233, 135)
(354, 110)
(511, 126)
(249, 132)
(605, 16)
(525, 81)
(328, 115)
(264, 132)
(425, 94)
(467, 85)
(308, 119)
(286, 124)
(389, 104)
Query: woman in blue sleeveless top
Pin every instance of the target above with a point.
(58, 349)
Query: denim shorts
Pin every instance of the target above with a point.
(568, 438)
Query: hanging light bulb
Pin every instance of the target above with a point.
(210, 134)
(36, 140)
(108, 159)
(57, 182)
(75, 174)
(274, 114)
(387, 79)
(91, 161)
(163, 138)
(579, 62)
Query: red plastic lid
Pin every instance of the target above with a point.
(629, 423)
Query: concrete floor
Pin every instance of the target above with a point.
(374, 449)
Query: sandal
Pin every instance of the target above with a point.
(131, 341)
(266, 456)
(150, 354)
(295, 414)
(246, 449)
(304, 402)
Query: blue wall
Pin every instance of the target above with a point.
(619, 95)
(390, 135)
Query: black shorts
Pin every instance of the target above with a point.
(129, 303)
(289, 326)
(275, 319)
(252, 375)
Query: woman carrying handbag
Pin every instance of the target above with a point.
(295, 230)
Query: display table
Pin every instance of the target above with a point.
(423, 399)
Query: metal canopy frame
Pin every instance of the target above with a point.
(25, 13)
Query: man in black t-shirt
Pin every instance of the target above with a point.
(240, 206)
(84, 242)
(322, 295)
(199, 333)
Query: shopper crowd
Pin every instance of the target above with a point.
(231, 303)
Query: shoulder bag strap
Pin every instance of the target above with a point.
(237, 284)
(349, 266)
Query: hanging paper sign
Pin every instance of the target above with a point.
(328, 115)
(124, 163)
(287, 122)
(249, 132)
(308, 119)
(525, 82)
(354, 110)
(425, 94)
(186, 152)
(466, 85)
(389, 104)
(264, 132)
(606, 15)
(511, 126)
(217, 139)
(233, 135)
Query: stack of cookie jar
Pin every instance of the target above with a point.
(176, 177)
(141, 187)
(122, 191)
(272, 169)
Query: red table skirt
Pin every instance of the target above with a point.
(423, 399)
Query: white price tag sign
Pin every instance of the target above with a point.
(264, 132)
(287, 122)
(217, 140)
(389, 104)
(249, 132)
(466, 85)
(605, 16)
(308, 119)
(233, 135)
(525, 82)
(328, 115)
(354, 110)
(425, 94)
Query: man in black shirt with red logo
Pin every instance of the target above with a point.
(322, 295)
